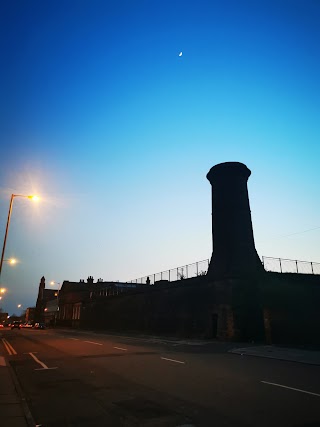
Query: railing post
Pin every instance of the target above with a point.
(186, 271)
(169, 275)
(154, 279)
(177, 273)
(297, 266)
(161, 275)
(280, 265)
(197, 268)
(263, 261)
(312, 268)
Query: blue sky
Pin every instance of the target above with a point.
(116, 132)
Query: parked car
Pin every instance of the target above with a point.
(28, 325)
(16, 325)
(39, 326)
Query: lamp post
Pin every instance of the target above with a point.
(57, 295)
(8, 223)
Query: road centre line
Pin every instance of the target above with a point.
(44, 366)
(120, 348)
(291, 388)
(92, 342)
(172, 360)
(8, 347)
(11, 348)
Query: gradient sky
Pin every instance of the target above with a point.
(116, 132)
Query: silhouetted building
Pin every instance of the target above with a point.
(3, 317)
(44, 295)
(51, 312)
(73, 297)
(30, 314)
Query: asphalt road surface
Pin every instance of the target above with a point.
(71, 378)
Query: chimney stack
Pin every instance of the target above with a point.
(234, 254)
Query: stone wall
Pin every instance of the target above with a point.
(230, 310)
(291, 303)
(227, 310)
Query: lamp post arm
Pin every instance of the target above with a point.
(6, 233)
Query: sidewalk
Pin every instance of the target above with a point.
(12, 412)
(281, 353)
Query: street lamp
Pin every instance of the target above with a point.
(2, 292)
(54, 283)
(10, 261)
(56, 295)
(35, 198)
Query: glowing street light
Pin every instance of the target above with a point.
(58, 290)
(2, 292)
(56, 294)
(19, 305)
(10, 261)
(35, 198)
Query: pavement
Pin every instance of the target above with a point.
(280, 353)
(14, 411)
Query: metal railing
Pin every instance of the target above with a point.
(200, 268)
(282, 265)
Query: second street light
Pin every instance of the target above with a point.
(10, 261)
(56, 295)
(8, 223)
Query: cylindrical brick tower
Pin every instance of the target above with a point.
(234, 254)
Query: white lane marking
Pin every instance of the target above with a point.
(75, 339)
(172, 360)
(38, 361)
(120, 348)
(291, 388)
(44, 366)
(8, 347)
(91, 342)
(2, 361)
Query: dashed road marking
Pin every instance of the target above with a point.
(75, 339)
(172, 360)
(92, 342)
(2, 361)
(291, 388)
(120, 348)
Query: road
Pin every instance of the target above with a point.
(74, 378)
